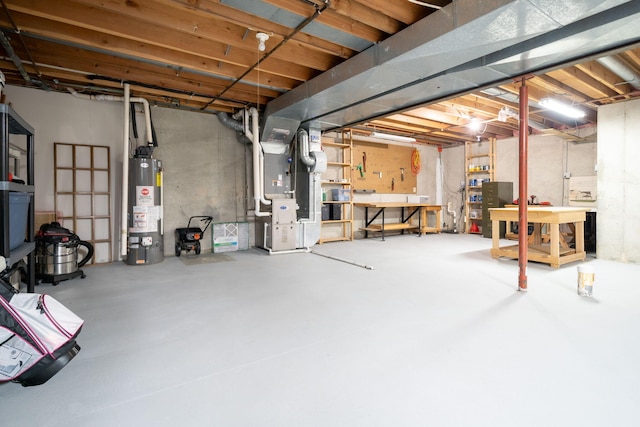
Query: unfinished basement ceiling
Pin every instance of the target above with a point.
(203, 55)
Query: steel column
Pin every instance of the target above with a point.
(523, 161)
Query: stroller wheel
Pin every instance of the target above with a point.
(178, 249)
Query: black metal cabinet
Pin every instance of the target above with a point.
(590, 232)
(495, 195)
(12, 124)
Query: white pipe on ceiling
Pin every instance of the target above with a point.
(127, 99)
(621, 69)
(253, 133)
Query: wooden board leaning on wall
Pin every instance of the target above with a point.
(381, 167)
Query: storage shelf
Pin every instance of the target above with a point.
(335, 144)
(13, 124)
(20, 252)
(476, 156)
(14, 186)
(327, 182)
(473, 151)
(337, 221)
(337, 178)
(334, 239)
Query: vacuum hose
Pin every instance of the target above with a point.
(89, 254)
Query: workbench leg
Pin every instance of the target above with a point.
(579, 236)
(495, 238)
(537, 233)
(383, 224)
(366, 222)
(555, 245)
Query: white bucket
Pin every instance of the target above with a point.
(586, 277)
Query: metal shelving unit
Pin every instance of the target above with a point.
(12, 124)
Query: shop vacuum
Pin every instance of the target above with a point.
(37, 335)
(57, 254)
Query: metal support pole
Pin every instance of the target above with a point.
(523, 161)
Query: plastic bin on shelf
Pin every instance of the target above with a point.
(18, 213)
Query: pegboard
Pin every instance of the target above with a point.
(383, 166)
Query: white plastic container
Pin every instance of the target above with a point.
(586, 277)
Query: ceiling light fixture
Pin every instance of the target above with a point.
(421, 3)
(390, 137)
(262, 37)
(474, 124)
(559, 107)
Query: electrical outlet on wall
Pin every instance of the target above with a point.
(567, 175)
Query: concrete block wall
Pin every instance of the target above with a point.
(549, 158)
(206, 167)
(204, 164)
(204, 171)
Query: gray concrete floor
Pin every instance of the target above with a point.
(435, 335)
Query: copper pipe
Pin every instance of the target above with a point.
(523, 161)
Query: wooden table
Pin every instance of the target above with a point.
(557, 251)
(405, 223)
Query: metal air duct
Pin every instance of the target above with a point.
(464, 46)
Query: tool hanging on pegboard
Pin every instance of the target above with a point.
(364, 161)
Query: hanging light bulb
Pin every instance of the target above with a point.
(262, 37)
(474, 124)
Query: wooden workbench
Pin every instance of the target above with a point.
(405, 221)
(557, 251)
